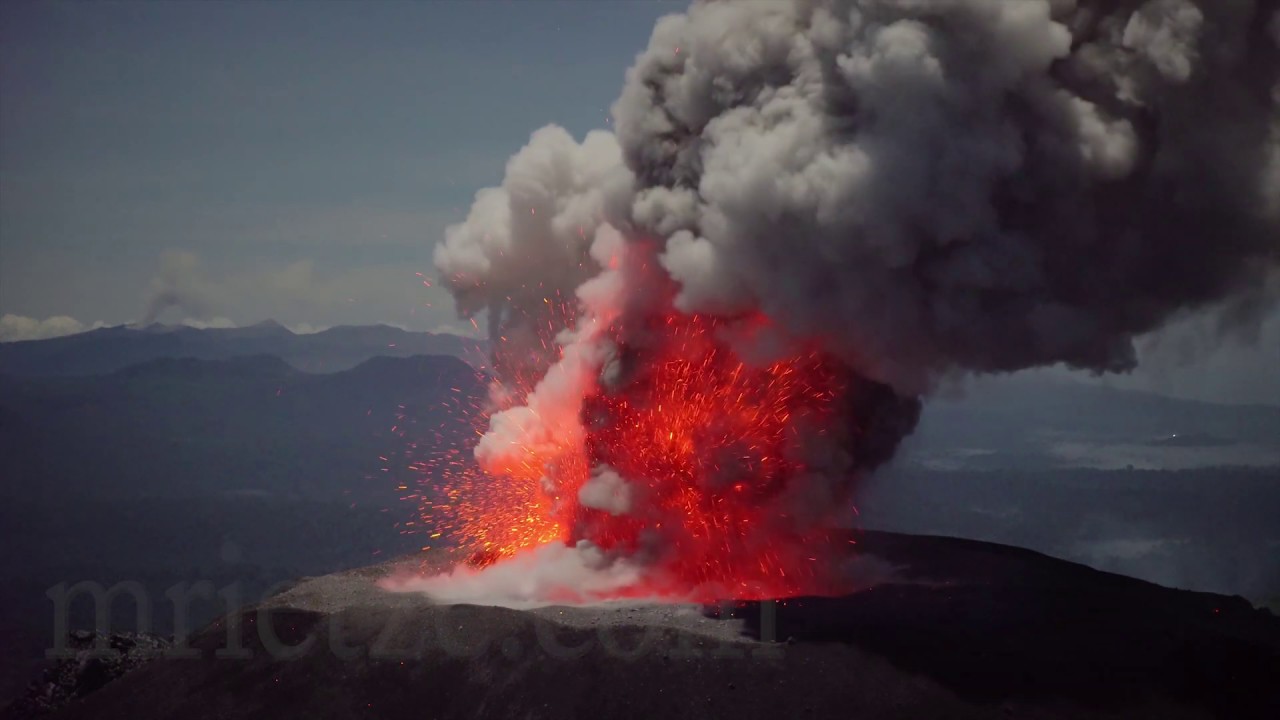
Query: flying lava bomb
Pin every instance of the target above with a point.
(708, 324)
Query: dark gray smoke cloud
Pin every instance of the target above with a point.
(927, 187)
(981, 185)
(923, 187)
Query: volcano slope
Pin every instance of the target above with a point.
(952, 629)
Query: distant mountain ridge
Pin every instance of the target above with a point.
(106, 350)
(191, 427)
(1025, 421)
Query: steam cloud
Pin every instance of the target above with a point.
(921, 188)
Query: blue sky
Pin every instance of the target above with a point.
(297, 160)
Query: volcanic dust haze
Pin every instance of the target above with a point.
(709, 323)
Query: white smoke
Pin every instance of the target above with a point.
(179, 283)
(213, 323)
(530, 238)
(548, 424)
(1167, 34)
(20, 327)
(606, 490)
(549, 574)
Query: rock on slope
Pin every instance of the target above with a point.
(961, 630)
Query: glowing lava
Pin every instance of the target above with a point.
(713, 446)
(716, 460)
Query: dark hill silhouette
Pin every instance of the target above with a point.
(108, 349)
(185, 426)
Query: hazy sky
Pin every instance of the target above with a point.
(291, 160)
(299, 160)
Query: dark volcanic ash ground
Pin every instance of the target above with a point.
(963, 630)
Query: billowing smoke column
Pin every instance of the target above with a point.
(709, 323)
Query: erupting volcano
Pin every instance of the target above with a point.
(653, 439)
(709, 323)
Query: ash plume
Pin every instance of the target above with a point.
(178, 284)
(917, 189)
(963, 184)
(974, 185)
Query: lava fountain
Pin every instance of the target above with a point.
(652, 442)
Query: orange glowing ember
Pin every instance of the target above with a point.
(714, 445)
(712, 449)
